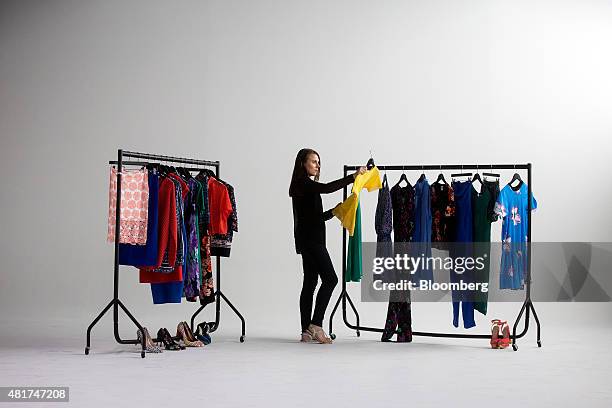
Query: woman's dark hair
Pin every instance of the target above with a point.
(299, 172)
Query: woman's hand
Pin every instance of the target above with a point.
(359, 172)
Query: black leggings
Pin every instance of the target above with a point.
(316, 262)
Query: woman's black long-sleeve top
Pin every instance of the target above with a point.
(308, 216)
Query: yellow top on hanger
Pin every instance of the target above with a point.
(346, 211)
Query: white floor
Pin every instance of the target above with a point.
(573, 368)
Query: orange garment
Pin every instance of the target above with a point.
(220, 206)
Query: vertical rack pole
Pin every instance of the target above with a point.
(117, 237)
(343, 277)
(218, 291)
(529, 252)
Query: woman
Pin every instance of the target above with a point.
(309, 231)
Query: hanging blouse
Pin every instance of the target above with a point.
(442, 215)
(192, 263)
(145, 255)
(402, 202)
(421, 235)
(134, 205)
(220, 206)
(383, 222)
(221, 244)
(202, 204)
(346, 211)
(167, 236)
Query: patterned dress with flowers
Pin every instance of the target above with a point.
(511, 206)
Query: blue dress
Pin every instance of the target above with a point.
(512, 206)
(462, 248)
(421, 235)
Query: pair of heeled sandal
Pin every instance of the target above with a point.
(315, 334)
(184, 332)
(150, 346)
(500, 334)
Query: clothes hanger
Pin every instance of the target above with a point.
(491, 174)
(161, 169)
(422, 176)
(403, 178)
(476, 177)
(460, 174)
(370, 164)
(441, 179)
(514, 178)
(183, 173)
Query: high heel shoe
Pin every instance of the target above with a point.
(494, 333)
(505, 332)
(150, 347)
(164, 337)
(184, 332)
(500, 334)
(202, 333)
(319, 335)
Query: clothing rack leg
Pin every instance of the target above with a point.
(516, 322)
(331, 316)
(355, 311)
(237, 314)
(193, 316)
(535, 316)
(94, 322)
(217, 297)
(116, 303)
(133, 319)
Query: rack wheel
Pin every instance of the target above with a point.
(539, 343)
(332, 336)
(242, 339)
(358, 333)
(86, 351)
(514, 347)
(142, 354)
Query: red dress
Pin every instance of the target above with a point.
(167, 236)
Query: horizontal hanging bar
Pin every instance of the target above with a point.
(140, 163)
(449, 167)
(173, 159)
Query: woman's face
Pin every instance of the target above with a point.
(312, 164)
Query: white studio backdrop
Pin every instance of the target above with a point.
(249, 83)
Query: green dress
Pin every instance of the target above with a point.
(353, 262)
(481, 230)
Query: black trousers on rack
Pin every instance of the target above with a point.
(316, 263)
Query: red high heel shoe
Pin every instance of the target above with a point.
(495, 333)
(505, 331)
(500, 334)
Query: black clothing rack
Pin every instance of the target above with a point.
(115, 302)
(527, 304)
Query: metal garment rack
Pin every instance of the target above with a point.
(115, 302)
(527, 304)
